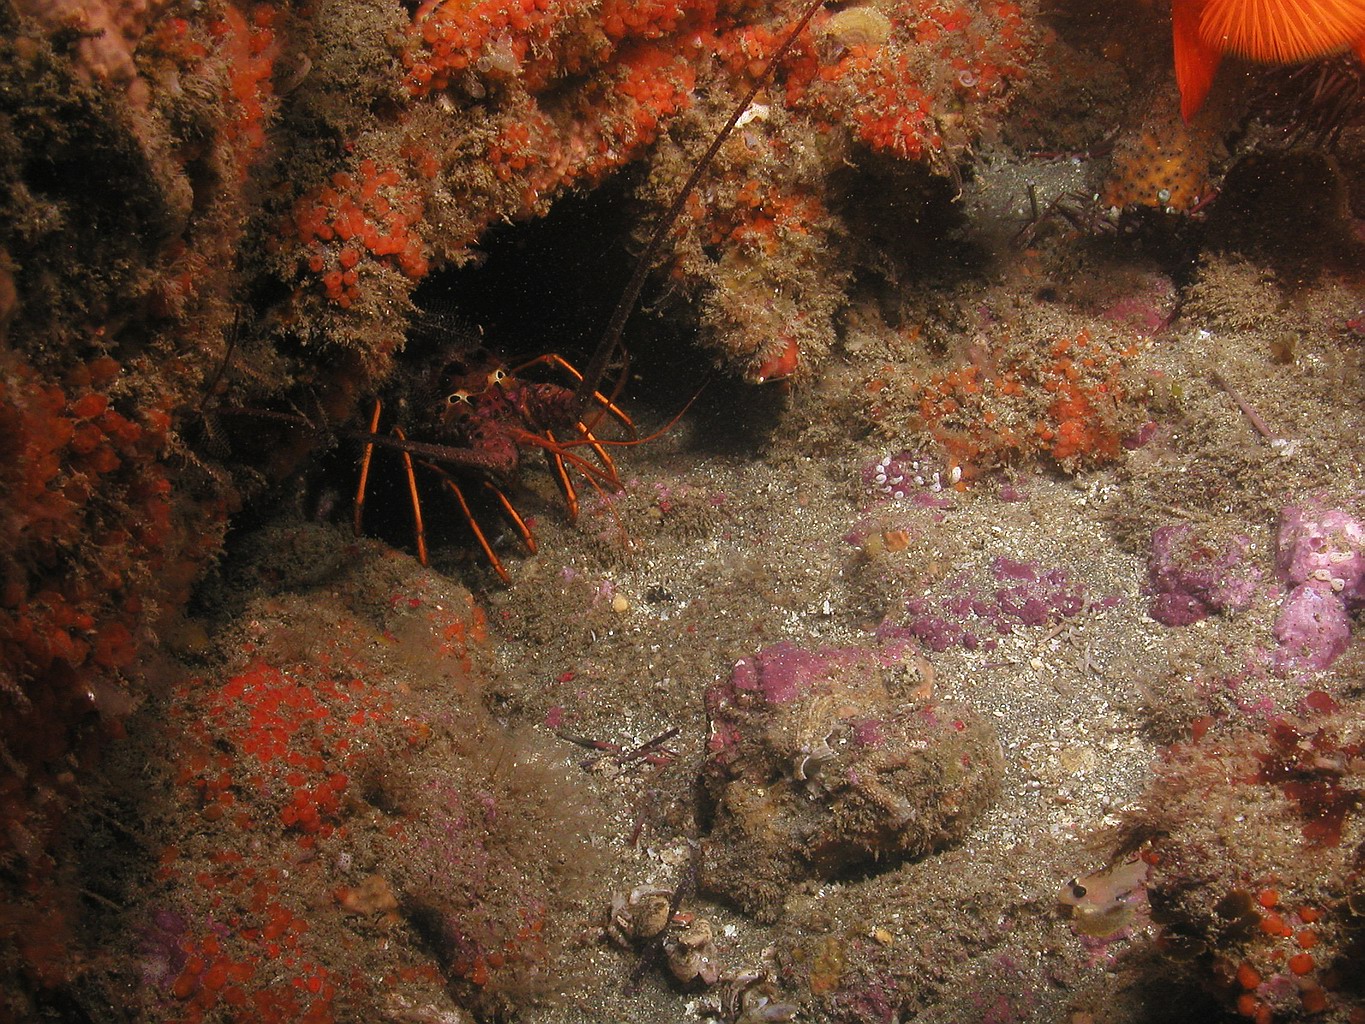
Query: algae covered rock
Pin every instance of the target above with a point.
(819, 766)
(1256, 840)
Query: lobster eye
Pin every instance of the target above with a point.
(460, 397)
(497, 376)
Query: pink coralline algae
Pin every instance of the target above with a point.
(1313, 627)
(972, 617)
(1323, 547)
(1322, 557)
(821, 761)
(1193, 577)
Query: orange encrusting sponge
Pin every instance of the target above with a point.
(355, 223)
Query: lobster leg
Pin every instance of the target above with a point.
(510, 510)
(561, 471)
(607, 463)
(601, 478)
(554, 454)
(419, 531)
(359, 511)
(493, 559)
(363, 486)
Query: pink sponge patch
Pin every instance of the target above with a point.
(1313, 626)
(1323, 547)
(1322, 556)
(1192, 576)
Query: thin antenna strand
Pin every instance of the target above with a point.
(610, 344)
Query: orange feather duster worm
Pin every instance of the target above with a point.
(1272, 31)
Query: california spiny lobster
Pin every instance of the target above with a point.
(476, 418)
(471, 416)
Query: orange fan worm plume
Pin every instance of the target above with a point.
(1271, 31)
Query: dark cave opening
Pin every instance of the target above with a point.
(546, 285)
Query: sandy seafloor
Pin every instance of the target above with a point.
(751, 522)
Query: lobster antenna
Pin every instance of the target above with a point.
(610, 344)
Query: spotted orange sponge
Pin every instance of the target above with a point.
(1273, 31)
(1163, 163)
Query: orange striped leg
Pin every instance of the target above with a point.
(561, 471)
(600, 449)
(493, 559)
(527, 537)
(365, 471)
(419, 531)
